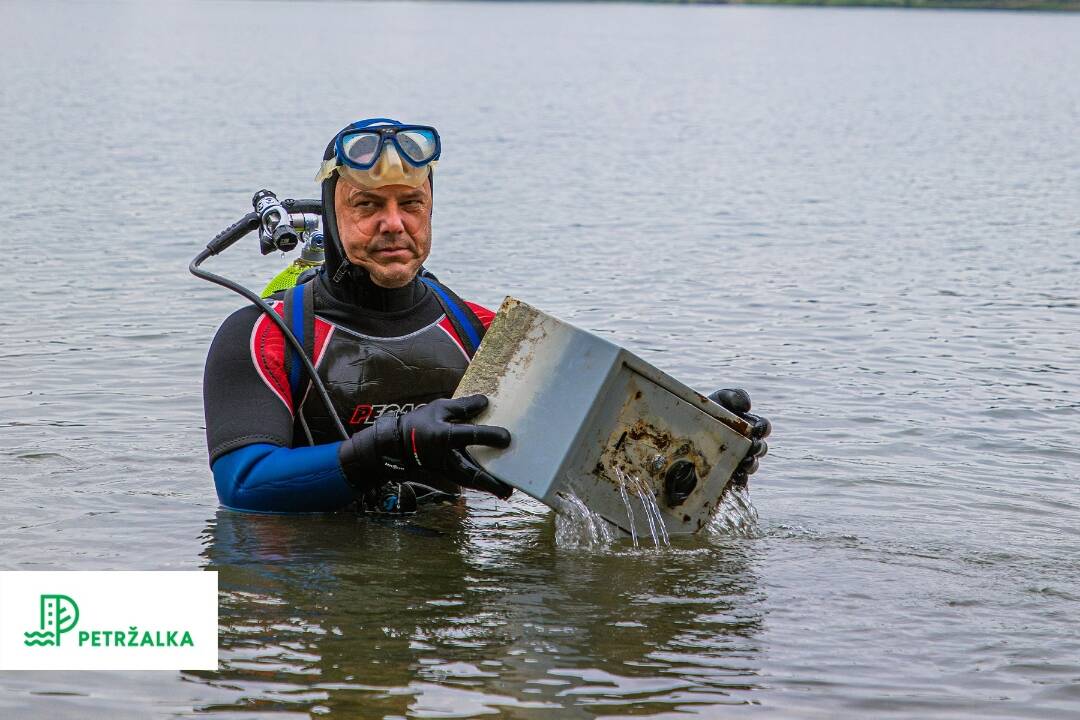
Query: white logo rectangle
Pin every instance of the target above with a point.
(108, 620)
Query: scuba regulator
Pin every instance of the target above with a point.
(282, 230)
(278, 227)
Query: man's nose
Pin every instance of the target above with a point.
(392, 221)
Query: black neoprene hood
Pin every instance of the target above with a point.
(335, 251)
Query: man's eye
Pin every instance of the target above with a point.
(364, 204)
(412, 204)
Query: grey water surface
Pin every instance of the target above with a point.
(869, 219)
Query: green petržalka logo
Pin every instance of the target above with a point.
(59, 613)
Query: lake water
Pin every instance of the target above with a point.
(870, 219)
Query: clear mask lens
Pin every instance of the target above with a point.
(417, 145)
(361, 147)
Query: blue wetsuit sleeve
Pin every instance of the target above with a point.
(268, 478)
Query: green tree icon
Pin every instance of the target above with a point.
(59, 614)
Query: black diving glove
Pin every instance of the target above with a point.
(429, 440)
(738, 402)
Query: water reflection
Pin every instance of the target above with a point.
(469, 610)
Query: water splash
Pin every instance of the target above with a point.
(735, 516)
(576, 526)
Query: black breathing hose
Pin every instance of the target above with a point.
(247, 224)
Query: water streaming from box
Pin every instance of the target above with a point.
(632, 485)
(576, 526)
(735, 516)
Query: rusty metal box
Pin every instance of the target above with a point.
(592, 418)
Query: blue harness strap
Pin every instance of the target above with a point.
(466, 324)
(300, 319)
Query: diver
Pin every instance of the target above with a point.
(387, 339)
(390, 343)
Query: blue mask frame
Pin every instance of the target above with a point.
(387, 130)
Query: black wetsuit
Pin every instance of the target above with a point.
(377, 351)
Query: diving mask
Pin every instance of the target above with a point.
(378, 152)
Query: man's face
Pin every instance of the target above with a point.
(386, 231)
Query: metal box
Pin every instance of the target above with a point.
(589, 417)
